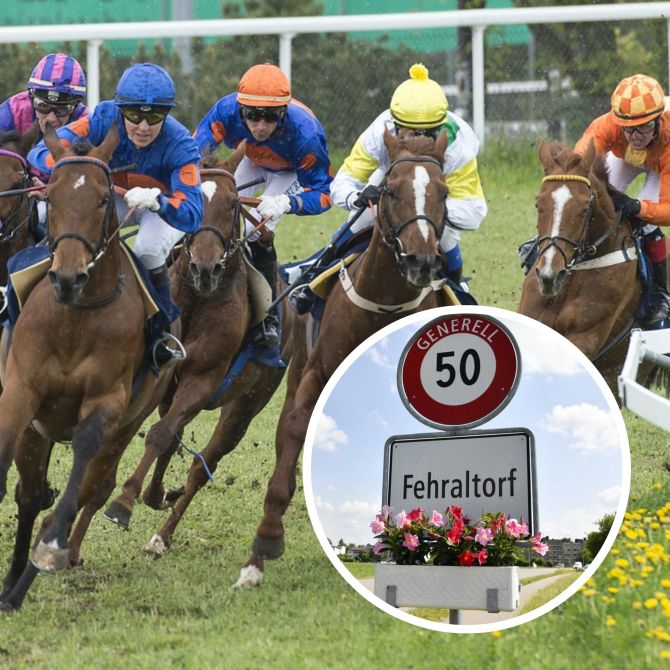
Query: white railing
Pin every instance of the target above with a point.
(286, 28)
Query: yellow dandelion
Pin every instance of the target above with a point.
(637, 605)
(665, 654)
(621, 563)
(665, 583)
(650, 603)
(656, 485)
(613, 589)
(496, 633)
(615, 552)
(589, 592)
(610, 621)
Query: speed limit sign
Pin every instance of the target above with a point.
(459, 370)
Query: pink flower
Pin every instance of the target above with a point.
(378, 548)
(513, 528)
(401, 520)
(437, 519)
(377, 526)
(457, 512)
(466, 558)
(535, 539)
(415, 515)
(540, 548)
(482, 556)
(523, 529)
(386, 512)
(483, 536)
(411, 541)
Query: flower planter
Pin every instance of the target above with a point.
(453, 587)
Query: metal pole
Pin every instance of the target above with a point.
(285, 40)
(455, 616)
(93, 73)
(478, 116)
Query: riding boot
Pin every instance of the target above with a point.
(302, 297)
(265, 261)
(167, 350)
(452, 265)
(661, 299)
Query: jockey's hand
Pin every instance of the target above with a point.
(629, 206)
(40, 195)
(370, 194)
(274, 206)
(143, 198)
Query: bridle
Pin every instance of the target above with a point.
(391, 235)
(11, 225)
(582, 248)
(98, 249)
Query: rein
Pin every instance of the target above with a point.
(9, 227)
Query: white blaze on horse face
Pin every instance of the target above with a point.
(420, 183)
(209, 189)
(560, 196)
(80, 182)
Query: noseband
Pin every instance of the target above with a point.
(96, 250)
(10, 226)
(391, 236)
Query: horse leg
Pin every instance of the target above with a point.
(31, 462)
(154, 495)
(230, 429)
(291, 430)
(162, 436)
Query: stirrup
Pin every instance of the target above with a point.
(267, 332)
(165, 356)
(301, 298)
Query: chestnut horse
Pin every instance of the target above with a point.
(394, 277)
(211, 284)
(584, 282)
(76, 346)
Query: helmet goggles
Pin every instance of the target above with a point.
(268, 114)
(137, 114)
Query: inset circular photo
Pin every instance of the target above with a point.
(466, 469)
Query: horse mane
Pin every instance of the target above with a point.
(209, 161)
(81, 146)
(420, 145)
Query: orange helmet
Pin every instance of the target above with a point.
(637, 99)
(264, 86)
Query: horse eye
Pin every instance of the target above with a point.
(103, 202)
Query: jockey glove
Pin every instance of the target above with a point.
(143, 198)
(370, 194)
(629, 206)
(274, 206)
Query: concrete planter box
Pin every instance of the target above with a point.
(453, 587)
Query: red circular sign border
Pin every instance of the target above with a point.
(496, 396)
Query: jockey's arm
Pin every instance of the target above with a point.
(466, 205)
(40, 157)
(353, 175)
(183, 207)
(314, 173)
(210, 132)
(658, 213)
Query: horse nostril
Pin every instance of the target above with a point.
(53, 277)
(412, 261)
(81, 279)
(217, 269)
(195, 270)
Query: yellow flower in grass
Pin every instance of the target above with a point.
(654, 525)
(630, 534)
(496, 633)
(621, 563)
(610, 621)
(650, 603)
(665, 583)
(637, 605)
(607, 600)
(636, 582)
(665, 655)
(656, 485)
(615, 552)
(641, 545)
(644, 572)
(661, 635)
(616, 573)
(640, 559)
(589, 592)
(613, 589)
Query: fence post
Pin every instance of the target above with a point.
(285, 40)
(93, 73)
(478, 90)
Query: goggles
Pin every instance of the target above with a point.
(642, 129)
(61, 111)
(419, 132)
(136, 116)
(261, 113)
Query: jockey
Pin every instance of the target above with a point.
(56, 89)
(418, 107)
(285, 146)
(634, 137)
(164, 188)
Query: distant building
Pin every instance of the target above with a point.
(564, 551)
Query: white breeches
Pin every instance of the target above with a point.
(275, 183)
(155, 238)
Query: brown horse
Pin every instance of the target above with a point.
(392, 278)
(584, 282)
(211, 283)
(76, 346)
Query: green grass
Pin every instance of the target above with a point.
(360, 570)
(124, 610)
(549, 592)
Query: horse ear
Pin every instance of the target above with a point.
(29, 138)
(441, 144)
(56, 149)
(589, 156)
(106, 148)
(235, 158)
(546, 156)
(391, 143)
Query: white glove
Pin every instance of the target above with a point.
(274, 206)
(143, 198)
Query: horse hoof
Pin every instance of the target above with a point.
(50, 557)
(268, 547)
(155, 501)
(156, 547)
(6, 606)
(118, 514)
(250, 578)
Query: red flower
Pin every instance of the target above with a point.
(466, 559)
(457, 512)
(482, 556)
(415, 515)
(454, 535)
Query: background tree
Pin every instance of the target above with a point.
(596, 539)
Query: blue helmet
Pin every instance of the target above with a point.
(145, 84)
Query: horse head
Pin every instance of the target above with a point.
(412, 208)
(572, 208)
(212, 251)
(81, 214)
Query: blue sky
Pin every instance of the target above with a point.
(583, 463)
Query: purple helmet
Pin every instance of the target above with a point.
(58, 79)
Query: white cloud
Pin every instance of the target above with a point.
(328, 436)
(348, 520)
(610, 496)
(588, 428)
(377, 417)
(379, 355)
(547, 353)
(575, 523)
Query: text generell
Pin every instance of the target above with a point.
(483, 329)
(458, 488)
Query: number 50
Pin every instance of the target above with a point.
(444, 364)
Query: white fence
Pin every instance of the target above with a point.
(287, 28)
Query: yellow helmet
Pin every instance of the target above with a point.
(419, 102)
(637, 99)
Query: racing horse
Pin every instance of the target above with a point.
(211, 284)
(68, 374)
(395, 276)
(584, 282)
